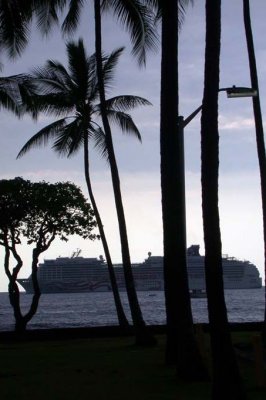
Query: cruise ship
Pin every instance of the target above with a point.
(78, 274)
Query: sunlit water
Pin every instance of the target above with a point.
(97, 309)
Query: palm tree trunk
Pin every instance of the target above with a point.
(181, 346)
(142, 335)
(123, 322)
(259, 130)
(226, 378)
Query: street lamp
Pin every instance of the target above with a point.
(232, 92)
(238, 91)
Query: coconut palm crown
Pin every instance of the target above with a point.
(73, 95)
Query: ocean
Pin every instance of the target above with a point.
(72, 310)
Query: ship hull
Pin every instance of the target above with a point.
(87, 286)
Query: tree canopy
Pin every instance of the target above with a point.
(40, 211)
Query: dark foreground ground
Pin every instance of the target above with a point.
(108, 331)
(104, 364)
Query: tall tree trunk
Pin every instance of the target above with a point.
(181, 346)
(259, 130)
(142, 334)
(226, 378)
(123, 322)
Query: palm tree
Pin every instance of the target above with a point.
(75, 94)
(226, 378)
(175, 264)
(258, 126)
(181, 345)
(142, 335)
(137, 18)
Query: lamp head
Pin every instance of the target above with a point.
(238, 91)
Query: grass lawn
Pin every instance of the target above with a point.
(100, 369)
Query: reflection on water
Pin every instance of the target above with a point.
(92, 309)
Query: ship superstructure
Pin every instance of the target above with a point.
(78, 274)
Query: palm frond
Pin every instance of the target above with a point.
(182, 5)
(92, 87)
(47, 90)
(97, 134)
(70, 138)
(73, 15)
(126, 102)
(57, 105)
(46, 12)
(27, 91)
(15, 16)
(43, 136)
(9, 95)
(7, 102)
(109, 64)
(156, 5)
(53, 75)
(139, 21)
(78, 66)
(13, 93)
(124, 122)
(49, 86)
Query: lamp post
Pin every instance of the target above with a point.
(232, 92)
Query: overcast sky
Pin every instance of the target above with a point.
(240, 204)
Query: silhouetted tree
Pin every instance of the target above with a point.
(75, 93)
(38, 212)
(226, 378)
(181, 346)
(142, 335)
(259, 129)
(137, 19)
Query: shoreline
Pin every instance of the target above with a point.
(107, 331)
